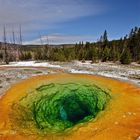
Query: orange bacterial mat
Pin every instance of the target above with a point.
(118, 118)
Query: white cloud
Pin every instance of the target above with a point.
(26, 11)
(36, 15)
(60, 39)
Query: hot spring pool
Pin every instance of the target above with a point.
(70, 106)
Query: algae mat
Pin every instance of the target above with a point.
(70, 107)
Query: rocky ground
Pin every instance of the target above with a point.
(11, 75)
(16, 71)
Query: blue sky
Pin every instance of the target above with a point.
(68, 21)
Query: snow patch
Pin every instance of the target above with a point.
(31, 64)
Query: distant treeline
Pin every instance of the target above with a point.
(124, 50)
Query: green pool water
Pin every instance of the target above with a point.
(56, 107)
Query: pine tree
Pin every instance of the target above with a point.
(114, 54)
(126, 57)
(95, 55)
(105, 36)
(105, 54)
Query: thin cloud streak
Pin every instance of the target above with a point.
(60, 39)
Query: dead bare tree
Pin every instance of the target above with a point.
(13, 37)
(41, 41)
(20, 35)
(45, 48)
(14, 46)
(48, 49)
(1, 56)
(5, 54)
(20, 44)
(42, 47)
